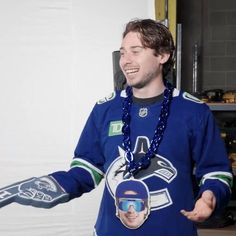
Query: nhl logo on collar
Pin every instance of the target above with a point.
(143, 112)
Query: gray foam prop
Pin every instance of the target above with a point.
(43, 192)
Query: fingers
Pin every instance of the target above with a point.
(193, 216)
(203, 208)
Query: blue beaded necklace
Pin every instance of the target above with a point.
(145, 160)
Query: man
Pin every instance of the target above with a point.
(150, 132)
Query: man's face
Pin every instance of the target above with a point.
(132, 212)
(139, 64)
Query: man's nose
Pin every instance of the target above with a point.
(125, 59)
(131, 209)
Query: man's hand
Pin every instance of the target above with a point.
(203, 208)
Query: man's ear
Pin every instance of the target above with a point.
(164, 57)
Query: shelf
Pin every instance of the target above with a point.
(228, 129)
(222, 106)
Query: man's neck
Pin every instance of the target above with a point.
(150, 91)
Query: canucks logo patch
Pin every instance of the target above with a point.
(107, 98)
(190, 97)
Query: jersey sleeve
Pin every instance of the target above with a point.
(213, 168)
(86, 169)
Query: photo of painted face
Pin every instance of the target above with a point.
(132, 203)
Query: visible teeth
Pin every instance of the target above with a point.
(131, 217)
(130, 71)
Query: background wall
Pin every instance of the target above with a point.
(190, 16)
(55, 62)
(211, 24)
(219, 61)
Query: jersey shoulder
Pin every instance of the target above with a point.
(112, 103)
(115, 98)
(185, 96)
(111, 96)
(187, 99)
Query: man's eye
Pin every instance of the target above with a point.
(137, 50)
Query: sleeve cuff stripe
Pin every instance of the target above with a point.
(96, 176)
(86, 163)
(224, 177)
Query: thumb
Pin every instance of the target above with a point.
(209, 198)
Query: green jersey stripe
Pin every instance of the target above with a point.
(96, 175)
(224, 177)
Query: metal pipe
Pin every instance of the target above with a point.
(178, 56)
(166, 20)
(195, 68)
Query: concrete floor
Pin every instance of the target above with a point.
(227, 231)
(224, 231)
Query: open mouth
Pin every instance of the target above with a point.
(131, 71)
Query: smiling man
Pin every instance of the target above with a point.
(145, 141)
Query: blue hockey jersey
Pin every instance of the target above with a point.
(191, 144)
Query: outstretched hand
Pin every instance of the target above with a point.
(203, 208)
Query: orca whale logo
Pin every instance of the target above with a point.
(159, 167)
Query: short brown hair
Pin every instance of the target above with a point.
(154, 35)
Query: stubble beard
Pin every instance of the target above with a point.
(143, 82)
